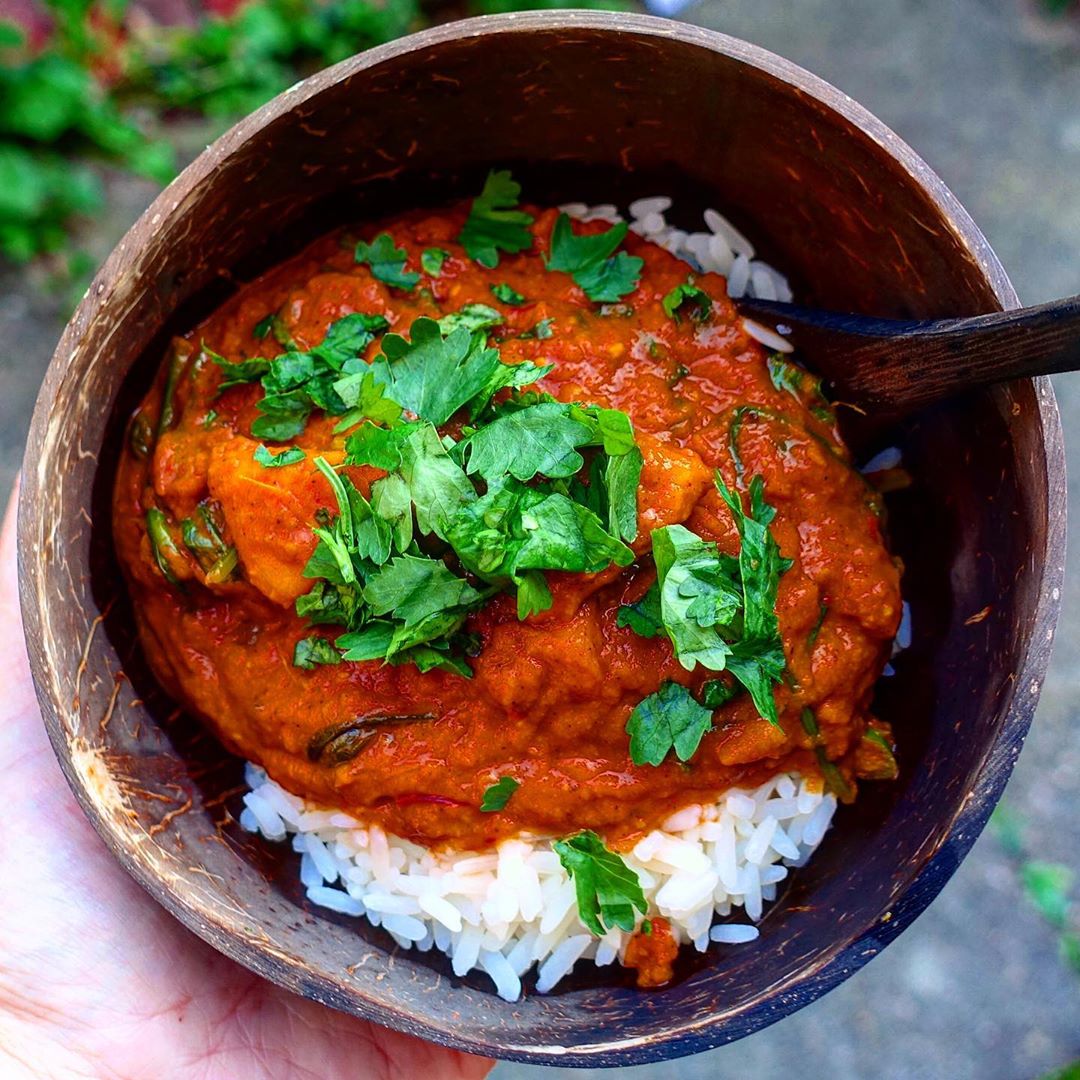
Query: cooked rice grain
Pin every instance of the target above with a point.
(508, 911)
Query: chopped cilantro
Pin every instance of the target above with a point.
(533, 594)
(276, 461)
(719, 611)
(668, 720)
(541, 331)
(295, 383)
(387, 262)
(835, 780)
(540, 439)
(608, 891)
(311, 652)
(432, 375)
(432, 259)
(687, 293)
(507, 295)
(472, 317)
(263, 326)
(494, 224)
(643, 616)
(498, 795)
(603, 276)
(716, 693)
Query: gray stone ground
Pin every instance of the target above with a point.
(991, 97)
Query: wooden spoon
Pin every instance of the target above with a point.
(892, 368)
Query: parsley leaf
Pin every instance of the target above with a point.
(513, 528)
(413, 588)
(311, 652)
(432, 259)
(379, 446)
(668, 720)
(541, 331)
(276, 461)
(366, 399)
(533, 594)
(719, 611)
(262, 327)
(387, 262)
(493, 224)
(432, 375)
(608, 891)
(621, 475)
(498, 795)
(643, 616)
(540, 439)
(603, 276)
(716, 693)
(507, 295)
(472, 317)
(437, 485)
(687, 293)
(295, 383)
(698, 590)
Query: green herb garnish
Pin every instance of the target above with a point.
(162, 544)
(313, 652)
(202, 536)
(833, 777)
(720, 611)
(643, 616)
(507, 295)
(687, 293)
(591, 260)
(432, 259)
(608, 891)
(498, 795)
(263, 326)
(668, 720)
(296, 383)
(541, 331)
(494, 224)
(387, 262)
(269, 460)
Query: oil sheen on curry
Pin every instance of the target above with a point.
(486, 526)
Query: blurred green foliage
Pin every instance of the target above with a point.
(102, 81)
(1046, 885)
(55, 118)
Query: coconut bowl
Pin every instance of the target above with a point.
(599, 108)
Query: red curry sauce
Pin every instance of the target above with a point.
(550, 697)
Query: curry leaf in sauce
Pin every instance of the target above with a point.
(387, 262)
(591, 260)
(498, 794)
(608, 891)
(494, 224)
(668, 720)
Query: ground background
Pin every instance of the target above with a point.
(989, 94)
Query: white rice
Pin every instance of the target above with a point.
(513, 909)
(720, 250)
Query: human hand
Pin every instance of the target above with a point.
(97, 980)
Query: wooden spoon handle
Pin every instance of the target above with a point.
(898, 367)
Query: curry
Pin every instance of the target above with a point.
(515, 720)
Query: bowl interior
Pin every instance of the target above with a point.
(601, 109)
